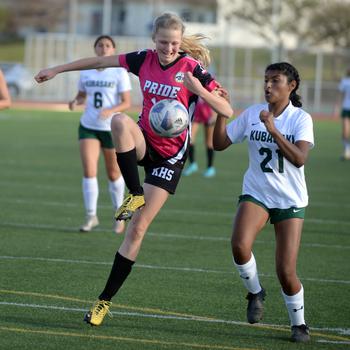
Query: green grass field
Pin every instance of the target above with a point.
(183, 292)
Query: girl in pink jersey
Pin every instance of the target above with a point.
(172, 70)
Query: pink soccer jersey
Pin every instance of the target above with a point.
(203, 112)
(157, 83)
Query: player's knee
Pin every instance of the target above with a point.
(138, 231)
(241, 251)
(119, 121)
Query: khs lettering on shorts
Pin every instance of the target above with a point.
(163, 172)
(161, 89)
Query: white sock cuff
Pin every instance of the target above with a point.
(115, 185)
(249, 274)
(295, 307)
(89, 181)
(116, 189)
(248, 264)
(90, 194)
(294, 298)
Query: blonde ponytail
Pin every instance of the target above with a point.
(191, 44)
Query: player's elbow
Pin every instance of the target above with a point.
(228, 112)
(299, 161)
(299, 164)
(219, 144)
(218, 147)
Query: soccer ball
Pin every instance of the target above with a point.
(168, 118)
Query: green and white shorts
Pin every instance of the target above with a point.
(275, 214)
(105, 137)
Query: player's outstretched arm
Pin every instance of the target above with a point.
(214, 99)
(82, 64)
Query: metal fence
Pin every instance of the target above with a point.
(239, 69)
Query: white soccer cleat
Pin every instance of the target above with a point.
(346, 155)
(90, 223)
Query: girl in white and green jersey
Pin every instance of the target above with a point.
(279, 135)
(105, 92)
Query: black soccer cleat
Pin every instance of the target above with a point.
(255, 306)
(300, 334)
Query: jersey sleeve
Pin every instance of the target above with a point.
(305, 131)
(81, 86)
(205, 78)
(124, 83)
(132, 61)
(236, 129)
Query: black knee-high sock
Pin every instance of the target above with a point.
(120, 271)
(127, 162)
(191, 153)
(210, 156)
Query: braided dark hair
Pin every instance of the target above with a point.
(291, 73)
(104, 37)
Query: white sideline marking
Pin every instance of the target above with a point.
(233, 197)
(228, 214)
(226, 239)
(154, 267)
(341, 331)
(167, 235)
(333, 342)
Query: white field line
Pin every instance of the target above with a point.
(229, 214)
(333, 342)
(225, 239)
(170, 235)
(155, 267)
(338, 330)
(27, 170)
(232, 198)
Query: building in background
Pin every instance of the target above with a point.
(57, 31)
(120, 18)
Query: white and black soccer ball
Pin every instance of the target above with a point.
(168, 118)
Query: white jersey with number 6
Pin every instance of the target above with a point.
(102, 88)
(270, 177)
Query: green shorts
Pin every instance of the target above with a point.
(105, 137)
(345, 113)
(275, 214)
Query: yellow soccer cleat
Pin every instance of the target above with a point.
(97, 313)
(131, 203)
